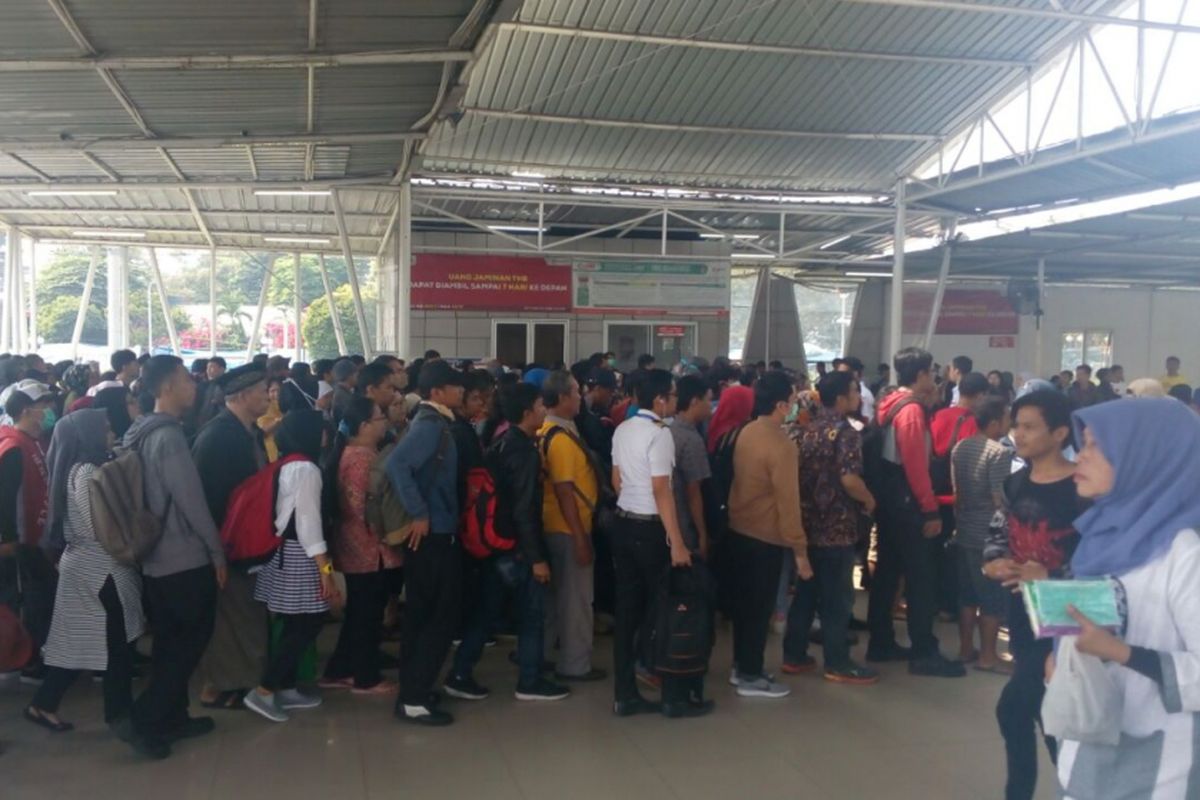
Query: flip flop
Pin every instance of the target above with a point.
(226, 701)
(36, 718)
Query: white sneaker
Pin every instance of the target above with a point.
(265, 707)
(734, 680)
(762, 687)
(294, 698)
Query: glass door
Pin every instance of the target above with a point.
(523, 342)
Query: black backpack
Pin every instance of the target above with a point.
(940, 465)
(684, 627)
(720, 484)
(884, 478)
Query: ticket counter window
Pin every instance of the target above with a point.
(530, 342)
(668, 342)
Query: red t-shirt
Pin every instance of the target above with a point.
(942, 429)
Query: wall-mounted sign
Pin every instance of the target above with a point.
(1002, 342)
(448, 282)
(670, 330)
(964, 311)
(650, 286)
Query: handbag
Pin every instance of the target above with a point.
(1083, 702)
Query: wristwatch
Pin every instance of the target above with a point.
(327, 569)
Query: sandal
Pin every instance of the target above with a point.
(36, 716)
(999, 668)
(230, 700)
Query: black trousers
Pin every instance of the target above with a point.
(433, 576)
(357, 652)
(182, 610)
(640, 559)
(945, 564)
(1019, 710)
(754, 568)
(118, 673)
(27, 585)
(832, 590)
(903, 551)
(299, 631)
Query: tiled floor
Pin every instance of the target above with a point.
(903, 738)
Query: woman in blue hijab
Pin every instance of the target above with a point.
(1140, 463)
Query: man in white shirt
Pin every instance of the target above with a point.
(646, 540)
(855, 365)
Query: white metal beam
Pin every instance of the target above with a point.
(333, 310)
(675, 127)
(237, 61)
(896, 318)
(1038, 13)
(150, 142)
(156, 276)
(105, 169)
(85, 300)
(768, 49)
(26, 165)
(352, 272)
(268, 275)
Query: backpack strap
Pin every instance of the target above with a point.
(895, 410)
(602, 484)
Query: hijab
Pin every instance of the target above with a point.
(114, 402)
(1152, 445)
(733, 409)
(79, 438)
(300, 432)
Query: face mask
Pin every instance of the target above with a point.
(612, 362)
(793, 412)
(48, 419)
(1119, 387)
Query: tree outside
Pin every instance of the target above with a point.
(320, 340)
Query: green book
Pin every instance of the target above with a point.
(1047, 601)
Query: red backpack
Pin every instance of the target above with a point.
(479, 534)
(248, 533)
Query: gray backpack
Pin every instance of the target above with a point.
(125, 526)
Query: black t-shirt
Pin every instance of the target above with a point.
(1040, 520)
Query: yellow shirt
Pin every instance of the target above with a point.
(563, 462)
(1168, 381)
(273, 415)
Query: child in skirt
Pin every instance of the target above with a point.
(297, 583)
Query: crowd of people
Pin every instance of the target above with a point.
(557, 503)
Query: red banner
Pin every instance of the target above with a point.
(974, 312)
(444, 282)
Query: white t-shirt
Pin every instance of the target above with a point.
(868, 401)
(642, 449)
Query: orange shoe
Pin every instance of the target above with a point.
(807, 664)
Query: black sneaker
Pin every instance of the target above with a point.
(543, 690)
(639, 705)
(936, 666)
(193, 727)
(593, 674)
(150, 747)
(891, 653)
(431, 717)
(690, 708)
(33, 676)
(464, 689)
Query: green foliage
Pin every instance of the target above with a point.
(56, 321)
(320, 341)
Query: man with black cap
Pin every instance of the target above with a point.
(228, 450)
(598, 394)
(423, 469)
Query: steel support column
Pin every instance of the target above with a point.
(896, 321)
(118, 293)
(1039, 356)
(18, 300)
(253, 343)
(402, 253)
(33, 305)
(299, 348)
(939, 293)
(85, 301)
(212, 301)
(352, 273)
(6, 317)
(333, 312)
(156, 275)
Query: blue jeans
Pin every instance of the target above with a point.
(501, 573)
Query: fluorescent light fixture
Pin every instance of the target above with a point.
(836, 241)
(70, 193)
(729, 236)
(517, 228)
(737, 256)
(868, 274)
(294, 240)
(291, 193)
(524, 174)
(113, 234)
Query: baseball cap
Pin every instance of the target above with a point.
(34, 390)
(437, 374)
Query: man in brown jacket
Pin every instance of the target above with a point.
(765, 526)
